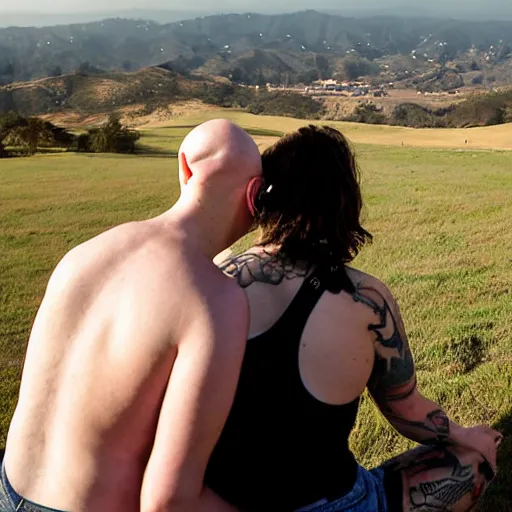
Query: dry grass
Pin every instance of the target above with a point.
(491, 137)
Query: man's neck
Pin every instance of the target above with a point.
(206, 233)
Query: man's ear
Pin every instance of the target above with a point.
(185, 171)
(252, 192)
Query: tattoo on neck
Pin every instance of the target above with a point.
(262, 267)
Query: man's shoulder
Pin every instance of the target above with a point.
(227, 296)
(228, 303)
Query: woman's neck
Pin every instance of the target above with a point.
(265, 265)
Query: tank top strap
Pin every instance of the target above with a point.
(320, 280)
(290, 326)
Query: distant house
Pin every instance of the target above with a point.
(330, 82)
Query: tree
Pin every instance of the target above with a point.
(84, 68)
(8, 122)
(368, 113)
(261, 79)
(324, 69)
(30, 134)
(307, 77)
(503, 52)
(355, 67)
(82, 143)
(113, 137)
(8, 70)
(56, 71)
(236, 76)
(478, 79)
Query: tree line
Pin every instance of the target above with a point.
(25, 136)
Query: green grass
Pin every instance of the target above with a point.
(443, 243)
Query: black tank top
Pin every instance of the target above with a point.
(282, 449)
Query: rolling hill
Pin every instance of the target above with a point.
(95, 93)
(288, 43)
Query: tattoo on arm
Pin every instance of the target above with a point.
(263, 267)
(394, 378)
(435, 429)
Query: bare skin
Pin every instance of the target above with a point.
(357, 341)
(134, 356)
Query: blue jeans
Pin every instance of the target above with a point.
(11, 501)
(367, 495)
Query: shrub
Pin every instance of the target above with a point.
(288, 104)
(110, 138)
(417, 116)
(478, 79)
(368, 113)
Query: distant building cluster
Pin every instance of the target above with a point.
(347, 88)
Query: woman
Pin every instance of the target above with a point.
(320, 333)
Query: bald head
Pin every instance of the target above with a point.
(220, 168)
(220, 151)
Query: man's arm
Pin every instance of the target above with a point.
(197, 402)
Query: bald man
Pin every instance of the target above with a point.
(134, 356)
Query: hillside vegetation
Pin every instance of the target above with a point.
(20, 136)
(253, 47)
(149, 89)
(476, 110)
(152, 89)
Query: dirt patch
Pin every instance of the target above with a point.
(74, 120)
(162, 115)
(132, 115)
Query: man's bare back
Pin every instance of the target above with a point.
(107, 407)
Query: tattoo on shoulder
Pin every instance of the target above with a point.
(393, 377)
(263, 267)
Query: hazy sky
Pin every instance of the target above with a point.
(47, 12)
(56, 6)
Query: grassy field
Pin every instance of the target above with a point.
(443, 243)
(490, 137)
